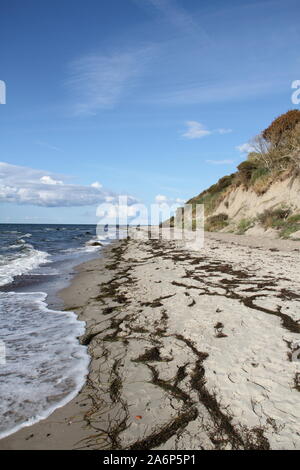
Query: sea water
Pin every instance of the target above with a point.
(43, 365)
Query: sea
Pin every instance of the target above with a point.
(42, 364)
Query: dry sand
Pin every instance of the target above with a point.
(161, 375)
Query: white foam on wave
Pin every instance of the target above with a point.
(27, 235)
(88, 247)
(83, 249)
(45, 364)
(20, 264)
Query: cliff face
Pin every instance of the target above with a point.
(242, 203)
(273, 213)
(263, 196)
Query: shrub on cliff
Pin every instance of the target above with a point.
(216, 222)
(274, 218)
(279, 129)
(245, 171)
(212, 196)
(280, 219)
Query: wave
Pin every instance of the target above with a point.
(45, 364)
(20, 263)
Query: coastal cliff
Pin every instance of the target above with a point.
(263, 196)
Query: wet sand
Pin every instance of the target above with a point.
(189, 349)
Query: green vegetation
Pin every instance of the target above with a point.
(257, 174)
(245, 172)
(291, 225)
(275, 155)
(274, 218)
(279, 130)
(216, 222)
(276, 152)
(212, 196)
(244, 225)
(280, 219)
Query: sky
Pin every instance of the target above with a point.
(153, 99)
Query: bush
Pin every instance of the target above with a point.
(245, 171)
(262, 184)
(258, 173)
(294, 219)
(278, 129)
(274, 218)
(209, 199)
(224, 182)
(216, 222)
(291, 225)
(244, 225)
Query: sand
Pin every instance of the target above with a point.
(162, 375)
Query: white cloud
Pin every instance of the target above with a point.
(122, 210)
(245, 148)
(99, 81)
(195, 130)
(48, 180)
(96, 185)
(23, 185)
(220, 162)
(178, 200)
(162, 199)
(224, 131)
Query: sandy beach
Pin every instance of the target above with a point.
(189, 349)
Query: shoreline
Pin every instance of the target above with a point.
(65, 425)
(159, 375)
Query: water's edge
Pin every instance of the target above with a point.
(50, 304)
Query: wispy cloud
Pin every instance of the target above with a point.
(213, 93)
(100, 81)
(24, 185)
(197, 130)
(178, 17)
(245, 148)
(48, 146)
(224, 131)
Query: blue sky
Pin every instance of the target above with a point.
(149, 98)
